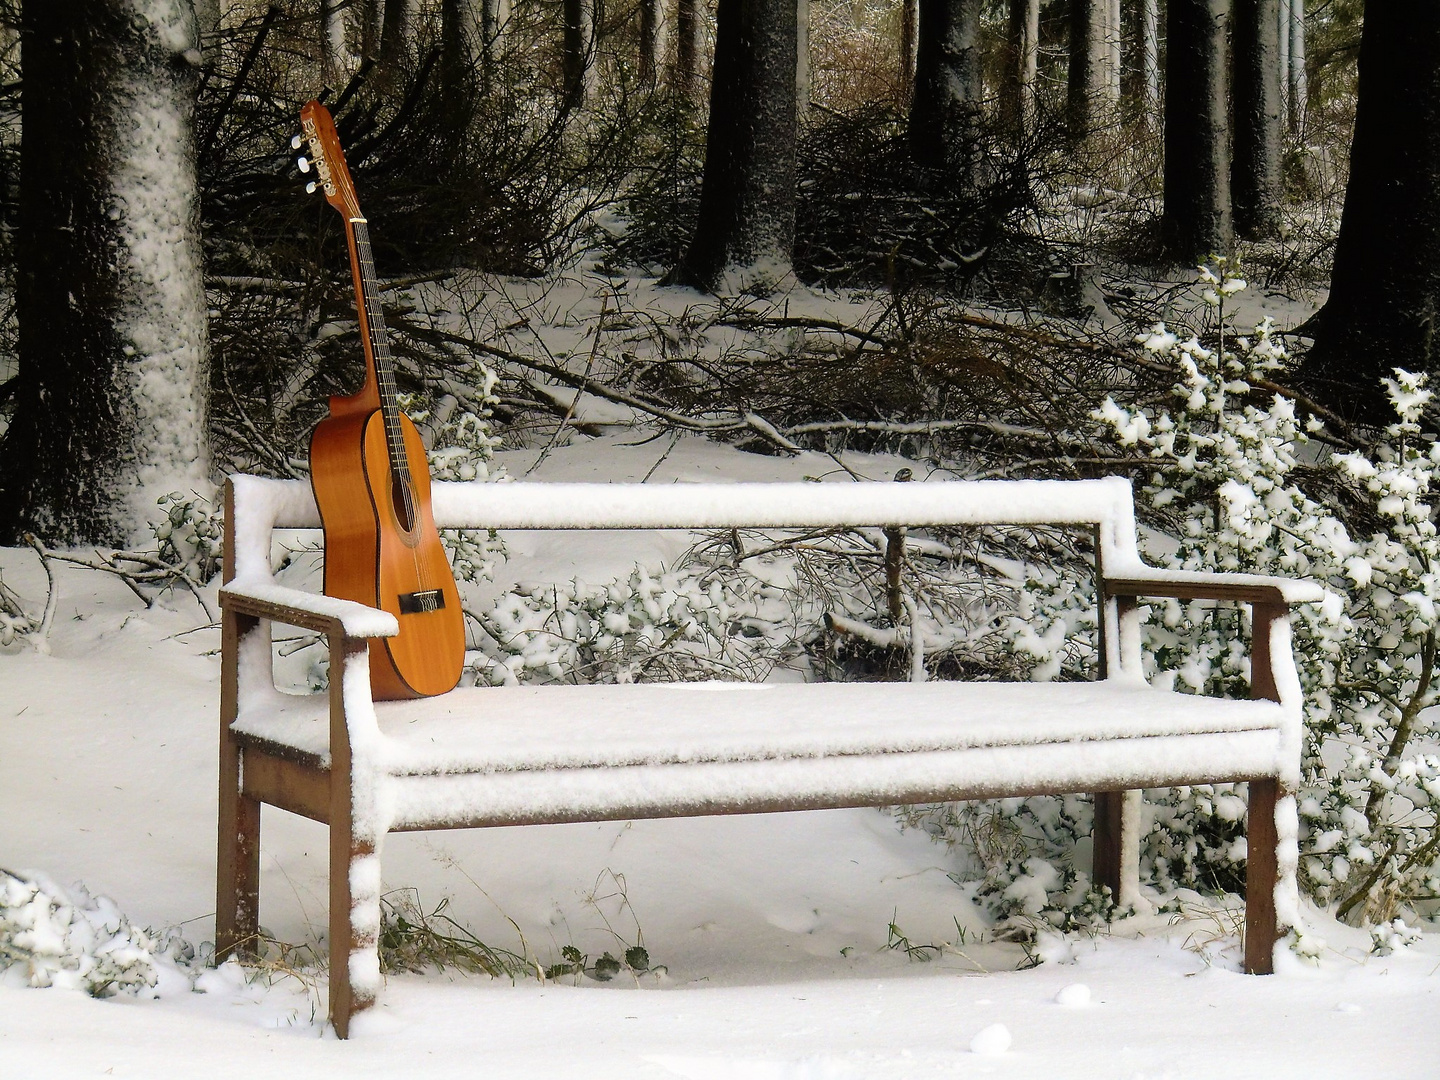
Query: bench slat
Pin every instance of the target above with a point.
(503, 729)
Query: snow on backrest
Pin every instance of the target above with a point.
(263, 505)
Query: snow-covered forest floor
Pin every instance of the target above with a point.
(814, 945)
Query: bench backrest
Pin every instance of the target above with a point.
(259, 506)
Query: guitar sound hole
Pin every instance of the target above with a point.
(403, 501)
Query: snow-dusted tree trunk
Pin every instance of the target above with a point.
(1088, 79)
(110, 406)
(1255, 170)
(687, 46)
(745, 233)
(1384, 305)
(578, 48)
(1197, 221)
(945, 114)
(653, 28)
(1022, 52)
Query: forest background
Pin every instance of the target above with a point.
(960, 232)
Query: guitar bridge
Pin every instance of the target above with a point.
(415, 603)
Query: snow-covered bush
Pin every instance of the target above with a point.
(1238, 484)
(190, 534)
(50, 936)
(679, 624)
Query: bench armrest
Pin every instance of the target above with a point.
(309, 611)
(1203, 585)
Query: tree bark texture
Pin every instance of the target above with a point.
(112, 380)
(653, 26)
(1299, 83)
(336, 59)
(909, 47)
(802, 60)
(1022, 52)
(1385, 286)
(397, 36)
(745, 233)
(371, 15)
(1088, 77)
(1255, 170)
(464, 53)
(1150, 62)
(1197, 221)
(945, 114)
(687, 47)
(578, 48)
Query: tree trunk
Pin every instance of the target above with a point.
(336, 60)
(687, 47)
(1299, 81)
(112, 380)
(909, 47)
(1385, 286)
(397, 37)
(802, 61)
(578, 49)
(1115, 37)
(1150, 62)
(372, 27)
(1022, 51)
(652, 40)
(1283, 53)
(1196, 222)
(745, 234)
(1255, 171)
(945, 115)
(1088, 78)
(462, 52)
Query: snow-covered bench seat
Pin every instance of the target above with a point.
(518, 755)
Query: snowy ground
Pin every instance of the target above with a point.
(771, 929)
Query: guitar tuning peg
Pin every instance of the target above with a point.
(310, 188)
(296, 142)
(303, 164)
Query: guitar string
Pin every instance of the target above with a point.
(396, 449)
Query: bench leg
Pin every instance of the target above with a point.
(354, 860)
(237, 881)
(1261, 871)
(237, 856)
(1116, 860)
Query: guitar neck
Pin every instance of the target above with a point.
(376, 341)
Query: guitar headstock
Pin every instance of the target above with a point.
(328, 160)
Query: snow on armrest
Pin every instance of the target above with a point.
(310, 611)
(1204, 585)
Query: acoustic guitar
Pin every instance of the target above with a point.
(371, 481)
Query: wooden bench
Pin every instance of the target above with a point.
(514, 755)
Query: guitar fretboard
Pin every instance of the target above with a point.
(380, 349)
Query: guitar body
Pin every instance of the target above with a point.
(372, 557)
(371, 479)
